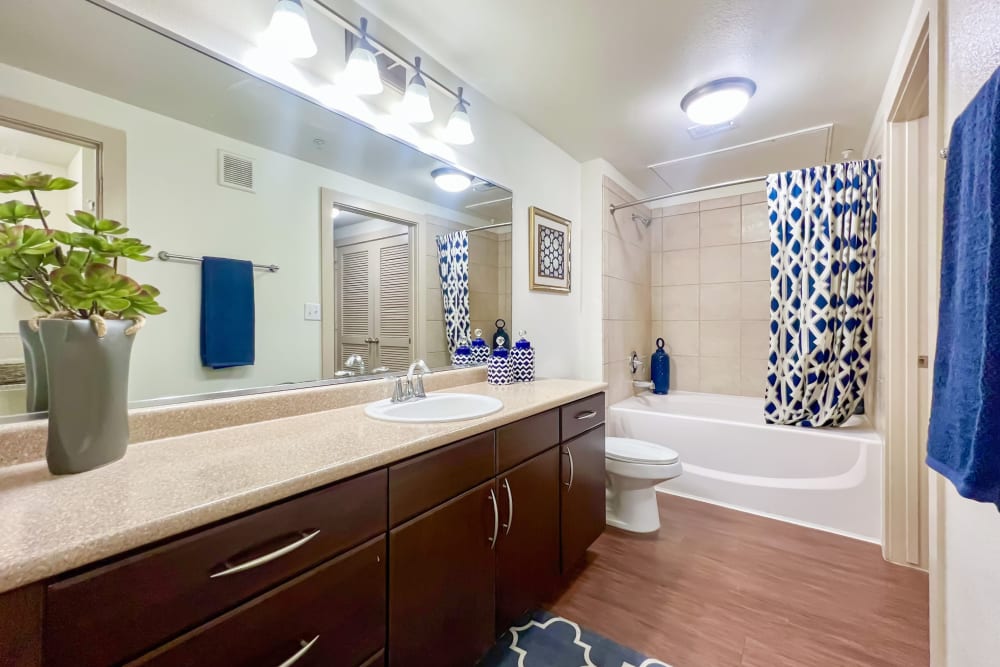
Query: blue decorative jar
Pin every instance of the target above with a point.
(498, 370)
(659, 369)
(522, 359)
(462, 356)
(480, 350)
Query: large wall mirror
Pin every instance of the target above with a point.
(201, 159)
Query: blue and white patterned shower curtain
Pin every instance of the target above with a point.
(453, 268)
(824, 238)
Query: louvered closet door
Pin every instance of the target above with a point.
(393, 308)
(354, 302)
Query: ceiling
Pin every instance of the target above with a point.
(605, 79)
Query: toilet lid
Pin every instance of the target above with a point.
(638, 451)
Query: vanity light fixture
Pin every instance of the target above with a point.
(334, 212)
(450, 179)
(416, 107)
(718, 101)
(288, 33)
(459, 129)
(361, 75)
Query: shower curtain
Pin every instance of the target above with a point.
(824, 237)
(453, 268)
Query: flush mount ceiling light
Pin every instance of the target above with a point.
(459, 129)
(416, 106)
(361, 75)
(288, 33)
(719, 100)
(451, 180)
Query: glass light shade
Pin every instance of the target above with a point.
(288, 32)
(459, 129)
(718, 101)
(451, 180)
(361, 75)
(416, 107)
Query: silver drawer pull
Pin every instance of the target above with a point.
(569, 484)
(496, 521)
(510, 507)
(266, 558)
(589, 414)
(301, 652)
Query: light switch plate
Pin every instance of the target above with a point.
(313, 312)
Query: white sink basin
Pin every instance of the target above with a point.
(434, 408)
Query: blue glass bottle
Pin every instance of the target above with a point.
(659, 369)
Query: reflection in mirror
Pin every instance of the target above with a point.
(219, 163)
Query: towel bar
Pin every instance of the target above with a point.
(165, 256)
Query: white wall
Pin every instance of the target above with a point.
(971, 538)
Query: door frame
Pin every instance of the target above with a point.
(328, 273)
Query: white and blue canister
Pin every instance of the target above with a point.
(462, 356)
(498, 370)
(480, 350)
(522, 359)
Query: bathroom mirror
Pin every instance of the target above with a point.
(214, 161)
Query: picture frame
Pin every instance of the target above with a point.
(550, 244)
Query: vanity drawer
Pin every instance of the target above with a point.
(430, 479)
(120, 610)
(521, 440)
(332, 616)
(582, 415)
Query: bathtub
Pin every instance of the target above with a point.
(830, 479)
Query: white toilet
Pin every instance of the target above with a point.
(632, 469)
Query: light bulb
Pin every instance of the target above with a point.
(334, 212)
(288, 33)
(361, 75)
(459, 129)
(416, 107)
(451, 180)
(718, 101)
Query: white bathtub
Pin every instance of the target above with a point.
(829, 479)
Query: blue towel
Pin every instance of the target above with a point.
(227, 313)
(964, 439)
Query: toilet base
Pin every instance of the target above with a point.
(633, 509)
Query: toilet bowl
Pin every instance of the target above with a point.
(632, 469)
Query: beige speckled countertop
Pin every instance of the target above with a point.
(49, 525)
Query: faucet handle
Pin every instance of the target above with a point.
(417, 386)
(401, 390)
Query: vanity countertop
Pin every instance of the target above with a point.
(49, 525)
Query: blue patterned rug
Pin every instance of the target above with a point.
(552, 641)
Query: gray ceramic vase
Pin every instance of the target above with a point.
(36, 382)
(88, 393)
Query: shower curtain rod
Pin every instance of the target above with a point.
(496, 226)
(741, 181)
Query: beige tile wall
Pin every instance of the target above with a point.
(627, 292)
(710, 292)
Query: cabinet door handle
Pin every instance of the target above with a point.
(510, 507)
(266, 558)
(589, 414)
(301, 652)
(496, 520)
(569, 484)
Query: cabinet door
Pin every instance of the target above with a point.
(528, 549)
(583, 495)
(441, 578)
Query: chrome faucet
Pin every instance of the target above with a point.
(356, 361)
(411, 386)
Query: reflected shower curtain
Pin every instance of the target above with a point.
(453, 268)
(824, 237)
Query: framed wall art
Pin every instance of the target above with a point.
(549, 252)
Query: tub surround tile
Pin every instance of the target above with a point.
(719, 375)
(720, 264)
(719, 202)
(755, 340)
(681, 267)
(755, 300)
(720, 339)
(682, 338)
(685, 373)
(656, 235)
(162, 488)
(680, 302)
(720, 301)
(679, 209)
(755, 261)
(752, 375)
(657, 301)
(720, 227)
(681, 232)
(754, 223)
(757, 197)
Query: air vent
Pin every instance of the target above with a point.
(235, 171)
(702, 131)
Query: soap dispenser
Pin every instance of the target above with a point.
(480, 350)
(501, 335)
(498, 368)
(462, 356)
(522, 359)
(659, 369)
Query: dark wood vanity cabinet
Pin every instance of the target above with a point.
(425, 562)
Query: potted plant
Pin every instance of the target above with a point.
(77, 350)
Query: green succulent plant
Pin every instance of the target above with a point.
(69, 272)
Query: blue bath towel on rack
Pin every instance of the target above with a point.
(227, 313)
(964, 439)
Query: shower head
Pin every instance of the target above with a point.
(646, 222)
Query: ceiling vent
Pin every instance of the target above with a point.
(235, 171)
(702, 131)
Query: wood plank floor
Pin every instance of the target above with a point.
(720, 588)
